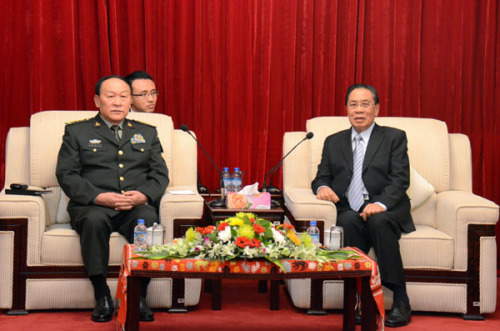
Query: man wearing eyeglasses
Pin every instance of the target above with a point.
(365, 171)
(144, 92)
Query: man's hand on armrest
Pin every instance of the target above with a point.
(326, 193)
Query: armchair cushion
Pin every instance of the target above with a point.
(62, 215)
(419, 190)
(427, 248)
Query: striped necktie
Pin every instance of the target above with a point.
(355, 190)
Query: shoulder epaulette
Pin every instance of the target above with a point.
(79, 121)
(151, 125)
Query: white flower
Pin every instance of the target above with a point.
(277, 236)
(250, 252)
(225, 235)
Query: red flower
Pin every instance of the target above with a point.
(222, 226)
(206, 230)
(255, 242)
(242, 242)
(252, 220)
(288, 226)
(258, 228)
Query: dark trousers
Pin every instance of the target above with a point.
(382, 232)
(95, 224)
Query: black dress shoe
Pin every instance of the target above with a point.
(145, 314)
(103, 311)
(400, 315)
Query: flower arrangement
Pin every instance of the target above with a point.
(245, 236)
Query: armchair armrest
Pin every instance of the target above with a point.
(33, 209)
(303, 205)
(455, 211)
(172, 207)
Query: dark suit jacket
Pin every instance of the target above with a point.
(91, 161)
(386, 171)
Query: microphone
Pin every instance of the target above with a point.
(219, 203)
(271, 188)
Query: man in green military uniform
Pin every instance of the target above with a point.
(112, 170)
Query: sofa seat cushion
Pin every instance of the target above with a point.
(61, 246)
(427, 248)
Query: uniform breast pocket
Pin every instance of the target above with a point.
(141, 151)
(93, 154)
(142, 148)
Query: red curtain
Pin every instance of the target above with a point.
(240, 73)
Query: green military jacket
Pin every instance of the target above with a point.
(91, 161)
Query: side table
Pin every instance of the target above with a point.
(214, 215)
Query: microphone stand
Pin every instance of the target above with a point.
(217, 203)
(201, 188)
(271, 188)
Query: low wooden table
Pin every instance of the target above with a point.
(364, 269)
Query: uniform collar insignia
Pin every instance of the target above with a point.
(129, 124)
(97, 124)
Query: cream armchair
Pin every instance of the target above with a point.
(40, 261)
(450, 261)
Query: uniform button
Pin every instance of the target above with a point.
(123, 192)
(95, 150)
(142, 149)
(120, 165)
(120, 152)
(122, 179)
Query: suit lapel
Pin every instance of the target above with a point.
(346, 148)
(376, 139)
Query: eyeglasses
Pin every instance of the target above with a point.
(153, 93)
(363, 105)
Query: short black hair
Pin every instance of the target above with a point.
(105, 78)
(138, 75)
(365, 86)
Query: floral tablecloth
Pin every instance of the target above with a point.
(242, 267)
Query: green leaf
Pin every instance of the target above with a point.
(265, 223)
(277, 263)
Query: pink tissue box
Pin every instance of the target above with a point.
(241, 201)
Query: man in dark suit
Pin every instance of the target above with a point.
(112, 170)
(365, 171)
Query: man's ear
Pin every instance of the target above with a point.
(377, 108)
(97, 101)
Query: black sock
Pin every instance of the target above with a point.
(101, 288)
(399, 293)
